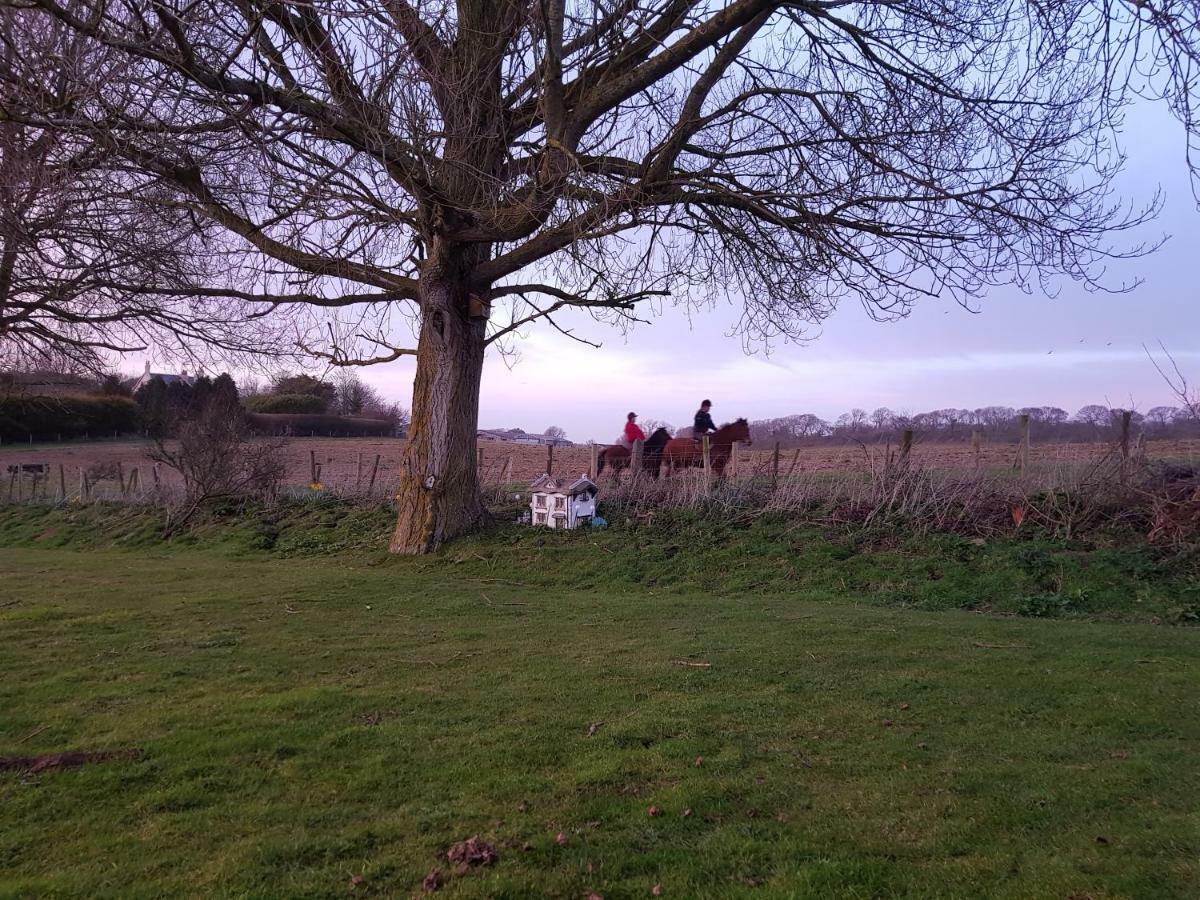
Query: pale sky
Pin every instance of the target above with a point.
(940, 356)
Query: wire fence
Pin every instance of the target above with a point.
(1063, 487)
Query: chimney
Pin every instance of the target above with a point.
(147, 367)
(183, 373)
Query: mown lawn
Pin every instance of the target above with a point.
(306, 722)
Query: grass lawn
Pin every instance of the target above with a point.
(305, 722)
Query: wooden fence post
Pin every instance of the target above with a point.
(976, 446)
(733, 458)
(707, 459)
(506, 471)
(906, 442)
(1126, 419)
(62, 482)
(792, 467)
(775, 467)
(358, 474)
(1023, 449)
(312, 467)
(374, 470)
(82, 485)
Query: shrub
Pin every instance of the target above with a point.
(218, 461)
(47, 418)
(287, 403)
(341, 426)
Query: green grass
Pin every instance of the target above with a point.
(310, 710)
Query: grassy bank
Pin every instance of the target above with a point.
(1100, 576)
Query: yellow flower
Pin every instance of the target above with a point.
(317, 486)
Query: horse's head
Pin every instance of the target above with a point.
(738, 431)
(657, 440)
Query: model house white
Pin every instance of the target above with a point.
(563, 502)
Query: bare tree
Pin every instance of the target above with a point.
(557, 433)
(471, 168)
(92, 261)
(652, 425)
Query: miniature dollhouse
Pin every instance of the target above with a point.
(562, 502)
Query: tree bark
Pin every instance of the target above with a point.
(439, 497)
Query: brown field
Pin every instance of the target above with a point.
(339, 459)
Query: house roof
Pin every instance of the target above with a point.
(564, 485)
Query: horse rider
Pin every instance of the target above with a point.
(633, 432)
(703, 423)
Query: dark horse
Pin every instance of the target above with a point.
(618, 458)
(683, 453)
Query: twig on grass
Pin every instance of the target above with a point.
(33, 733)
(692, 663)
(985, 646)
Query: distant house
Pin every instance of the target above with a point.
(518, 436)
(45, 384)
(167, 378)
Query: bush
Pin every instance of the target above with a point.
(301, 425)
(287, 403)
(47, 418)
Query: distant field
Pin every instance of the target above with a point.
(340, 457)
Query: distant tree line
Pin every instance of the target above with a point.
(995, 423)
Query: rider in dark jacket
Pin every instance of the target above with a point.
(703, 423)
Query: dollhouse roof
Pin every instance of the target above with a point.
(572, 487)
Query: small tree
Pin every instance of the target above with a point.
(217, 459)
(556, 433)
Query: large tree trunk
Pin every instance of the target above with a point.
(439, 495)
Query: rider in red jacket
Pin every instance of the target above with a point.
(632, 431)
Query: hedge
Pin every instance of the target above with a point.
(47, 418)
(305, 425)
(286, 403)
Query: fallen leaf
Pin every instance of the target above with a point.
(594, 727)
(904, 706)
(474, 851)
(699, 761)
(654, 812)
(687, 812)
(594, 896)
(922, 746)
(527, 847)
(887, 723)
(433, 881)
(523, 806)
(561, 840)
(656, 891)
(355, 881)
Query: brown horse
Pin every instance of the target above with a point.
(683, 453)
(618, 458)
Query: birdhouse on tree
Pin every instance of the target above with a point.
(563, 502)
